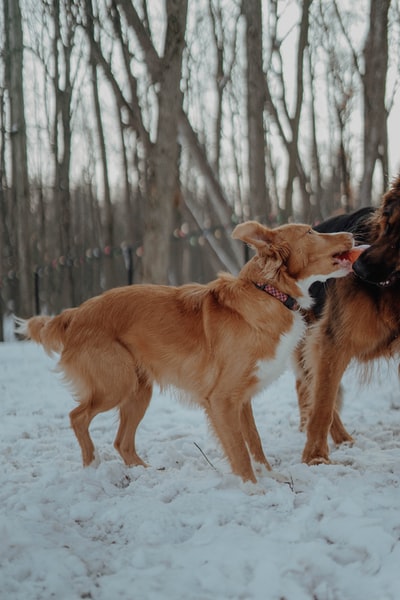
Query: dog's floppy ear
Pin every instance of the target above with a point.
(253, 233)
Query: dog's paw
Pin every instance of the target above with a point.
(316, 454)
(318, 460)
(95, 462)
(262, 469)
(252, 489)
(344, 438)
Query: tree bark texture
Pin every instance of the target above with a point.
(162, 161)
(259, 202)
(19, 162)
(375, 114)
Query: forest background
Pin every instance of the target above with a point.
(135, 134)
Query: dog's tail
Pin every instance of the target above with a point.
(48, 331)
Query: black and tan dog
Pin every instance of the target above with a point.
(354, 318)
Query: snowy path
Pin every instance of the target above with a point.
(182, 530)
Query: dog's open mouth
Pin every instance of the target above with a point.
(346, 259)
(342, 262)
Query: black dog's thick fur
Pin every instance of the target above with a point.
(357, 317)
(356, 223)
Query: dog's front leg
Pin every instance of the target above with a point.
(251, 435)
(325, 377)
(224, 416)
(302, 385)
(339, 433)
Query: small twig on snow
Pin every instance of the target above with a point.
(209, 462)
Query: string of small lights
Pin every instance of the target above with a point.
(127, 251)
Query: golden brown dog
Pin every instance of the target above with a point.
(358, 318)
(221, 343)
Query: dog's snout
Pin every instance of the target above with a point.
(346, 239)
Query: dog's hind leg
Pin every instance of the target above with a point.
(81, 418)
(251, 435)
(132, 411)
(103, 376)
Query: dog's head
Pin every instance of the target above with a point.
(380, 263)
(294, 255)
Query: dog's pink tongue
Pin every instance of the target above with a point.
(353, 254)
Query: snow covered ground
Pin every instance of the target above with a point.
(183, 529)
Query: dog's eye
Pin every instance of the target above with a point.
(310, 231)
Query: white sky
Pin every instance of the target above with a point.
(289, 15)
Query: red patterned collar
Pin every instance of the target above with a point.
(287, 300)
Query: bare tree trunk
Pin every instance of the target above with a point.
(222, 74)
(375, 114)
(19, 162)
(5, 241)
(129, 235)
(345, 191)
(140, 129)
(6, 255)
(259, 202)
(281, 114)
(108, 227)
(295, 121)
(219, 80)
(315, 213)
(186, 134)
(62, 48)
(162, 161)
